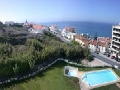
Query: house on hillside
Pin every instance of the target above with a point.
(103, 39)
(38, 29)
(102, 47)
(104, 44)
(54, 29)
(101, 44)
(93, 45)
(69, 33)
(81, 40)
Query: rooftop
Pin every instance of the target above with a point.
(83, 39)
(93, 42)
(38, 27)
(102, 44)
(103, 39)
(116, 26)
(70, 29)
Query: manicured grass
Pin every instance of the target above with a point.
(51, 79)
(54, 79)
(108, 87)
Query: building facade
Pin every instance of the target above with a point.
(69, 33)
(38, 29)
(81, 40)
(101, 45)
(54, 29)
(93, 45)
(115, 43)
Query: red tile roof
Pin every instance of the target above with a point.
(103, 39)
(100, 43)
(103, 44)
(93, 42)
(38, 27)
(70, 29)
(83, 39)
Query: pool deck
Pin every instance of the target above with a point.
(84, 85)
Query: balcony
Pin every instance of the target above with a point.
(116, 32)
(115, 45)
(113, 49)
(116, 36)
(117, 41)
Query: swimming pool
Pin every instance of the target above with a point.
(99, 77)
(72, 73)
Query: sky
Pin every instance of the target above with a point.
(60, 10)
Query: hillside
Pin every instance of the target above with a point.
(22, 51)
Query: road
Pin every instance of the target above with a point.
(107, 60)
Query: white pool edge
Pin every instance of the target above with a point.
(97, 85)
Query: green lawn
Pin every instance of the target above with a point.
(108, 87)
(54, 79)
(51, 79)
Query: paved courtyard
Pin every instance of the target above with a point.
(95, 62)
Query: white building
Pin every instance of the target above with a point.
(101, 44)
(54, 29)
(115, 44)
(69, 33)
(38, 29)
(102, 47)
(93, 45)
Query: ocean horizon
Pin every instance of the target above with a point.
(102, 29)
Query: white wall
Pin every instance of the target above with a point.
(102, 49)
(92, 47)
(68, 34)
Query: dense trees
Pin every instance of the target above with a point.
(21, 58)
(1, 24)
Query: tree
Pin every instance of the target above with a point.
(87, 53)
(1, 24)
(73, 42)
(95, 37)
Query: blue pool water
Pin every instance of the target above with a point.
(99, 77)
(72, 73)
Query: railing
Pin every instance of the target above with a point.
(117, 41)
(116, 31)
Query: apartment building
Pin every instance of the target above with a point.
(115, 44)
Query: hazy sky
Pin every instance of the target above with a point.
(60, 10)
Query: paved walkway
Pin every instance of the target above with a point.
(106, 59)
(95, 62)
(117, 84)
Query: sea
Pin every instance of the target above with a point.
(92, 28)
